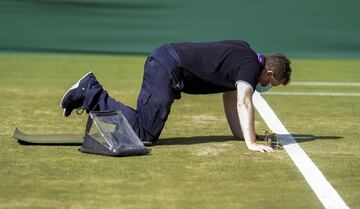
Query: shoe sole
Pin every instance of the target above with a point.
(71, 88)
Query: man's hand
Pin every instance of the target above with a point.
(260, 147)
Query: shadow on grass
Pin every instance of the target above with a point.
(194, 140)
(300, 138)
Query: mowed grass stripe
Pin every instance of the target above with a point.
(328, 94)
(319, 83)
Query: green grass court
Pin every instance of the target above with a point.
(197, 163)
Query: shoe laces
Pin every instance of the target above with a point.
(80, 110)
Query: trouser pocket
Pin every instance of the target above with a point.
(152, 115)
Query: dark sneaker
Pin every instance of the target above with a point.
(75, 96)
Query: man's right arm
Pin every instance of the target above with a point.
(246, 116)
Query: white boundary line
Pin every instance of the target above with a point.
(318, 183)
(321, 83)
(331, 94)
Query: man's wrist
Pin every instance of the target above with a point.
(250, 144)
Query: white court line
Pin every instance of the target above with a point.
(321, 83)
(331, 94)
(317, 181)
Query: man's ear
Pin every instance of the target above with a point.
(269, 73)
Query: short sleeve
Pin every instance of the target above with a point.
(248, 72)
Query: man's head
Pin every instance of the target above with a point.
(276, 71)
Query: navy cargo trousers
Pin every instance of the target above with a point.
(161, 85)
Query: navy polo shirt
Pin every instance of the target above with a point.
(215, 67)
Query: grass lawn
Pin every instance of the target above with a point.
(197, 164)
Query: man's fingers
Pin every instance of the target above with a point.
(261, 148)
(269, 149)
(266, 149)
